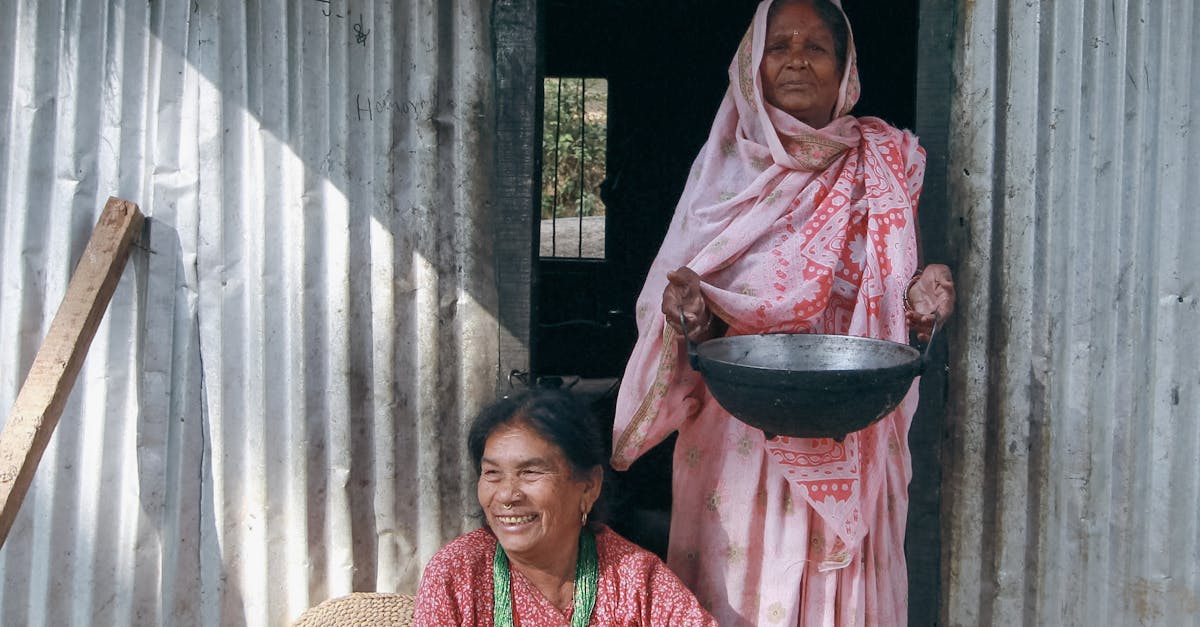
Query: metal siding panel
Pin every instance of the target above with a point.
(1071, 485)
(1015, 226)
(1172, 580)
(260, 233)
(967, 474)
(273, 410)
(1066, 408)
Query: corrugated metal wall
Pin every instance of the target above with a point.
(272, 410)
(1072, 495)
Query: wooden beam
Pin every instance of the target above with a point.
(42, 397)
(518, 176)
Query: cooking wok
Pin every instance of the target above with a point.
(807, 385)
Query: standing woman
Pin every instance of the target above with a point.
(800, 218)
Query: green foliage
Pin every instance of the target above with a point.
(574, 146)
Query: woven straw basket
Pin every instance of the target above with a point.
(360, 609)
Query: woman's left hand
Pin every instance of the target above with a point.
(932, 298)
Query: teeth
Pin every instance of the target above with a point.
(515, 520)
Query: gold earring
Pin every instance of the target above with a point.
(584, 521)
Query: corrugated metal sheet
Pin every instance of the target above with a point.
(271, 412)
(1072, 491)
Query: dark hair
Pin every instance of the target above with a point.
(559, 417)
(834, 20)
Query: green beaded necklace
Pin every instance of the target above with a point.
(587, 580)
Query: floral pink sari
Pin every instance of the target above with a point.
(792, 229)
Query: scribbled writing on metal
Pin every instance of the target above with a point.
(360, 35)
(360, 31)
(327, 10)
(368, 106)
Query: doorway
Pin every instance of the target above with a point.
(665, 64)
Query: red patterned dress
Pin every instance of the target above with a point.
(635, 588)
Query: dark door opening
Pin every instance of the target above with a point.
(666, 66)
(665, 63)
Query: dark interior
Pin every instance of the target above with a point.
(667, 66)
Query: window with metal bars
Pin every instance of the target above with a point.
(574, 151)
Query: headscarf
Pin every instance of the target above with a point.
(792, 229)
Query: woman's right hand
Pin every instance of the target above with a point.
(683, 292)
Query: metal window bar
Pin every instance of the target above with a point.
(557, 130)
(582, 162)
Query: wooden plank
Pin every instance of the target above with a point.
(518, 176)
(923, 541)
(42, 397)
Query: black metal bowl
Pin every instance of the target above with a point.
(807, 385)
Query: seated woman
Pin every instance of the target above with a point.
(538, 560)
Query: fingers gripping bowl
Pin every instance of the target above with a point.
(807, 385)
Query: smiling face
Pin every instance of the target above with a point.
(533, 500)
(800, 70)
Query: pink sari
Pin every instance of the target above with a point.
(792, 229)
